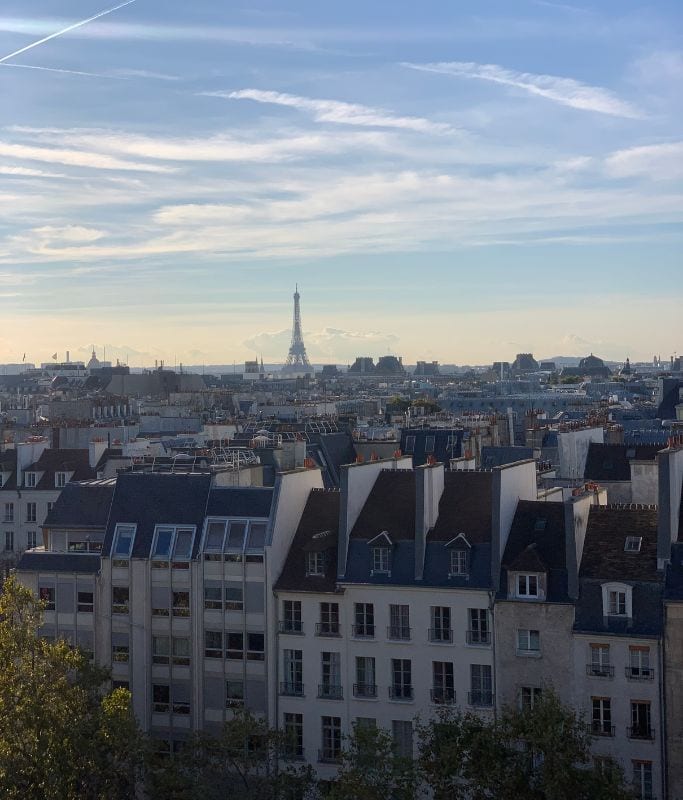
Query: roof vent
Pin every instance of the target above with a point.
(632, 544)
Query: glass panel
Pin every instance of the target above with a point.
(214, 536)
(162, 546)
(236, 535)
(257, 535)
(183, 543)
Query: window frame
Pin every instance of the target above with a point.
(120, 528)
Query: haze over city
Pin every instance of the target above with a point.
(450, 181)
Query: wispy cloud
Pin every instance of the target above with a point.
(27, 172)
(565, 91)
(63, 31)
(659, 161)
(75, 158)
(144, 73)
(337, 111)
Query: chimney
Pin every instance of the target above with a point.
(670, 467)
(96, 449)
(511, 483)
(429, 486)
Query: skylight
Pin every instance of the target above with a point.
(632, 544)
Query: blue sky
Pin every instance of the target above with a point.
(459, 181)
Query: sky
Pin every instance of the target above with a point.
(444, 180)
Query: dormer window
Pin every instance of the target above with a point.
(30, 480)
(381, 561)
(617, 600)
(632, 544)
(172, 543)
(527, 586)
(60, 480)
(459, 563)
(123, 541)
(315, 563)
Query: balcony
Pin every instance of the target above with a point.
(398, 633)
(440, 635)
(329, 756)
(293, 626)
(641, 732)
(289, 689)
(330, 691)
(480, 699)
(640, 673)
(443, 697)
(478, 638)
(327, 629)
(401, 692)
(600, 670)
(365, 690)
(364, 631)
(599, 728)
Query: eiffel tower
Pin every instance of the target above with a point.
(297, 360)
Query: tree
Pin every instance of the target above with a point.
(243, 763)
(540, 753)
(62, 737)
(370, 768)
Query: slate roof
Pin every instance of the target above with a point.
(674, 574)
(239, 501)
(498, 456)
(612, 462)
(320, 515)
(390, 507)
(150, 499)
(604, 557)
(8, 463)
(83, 504)
(62, 460)
(465, 507)
(35, 561)
(330, 451)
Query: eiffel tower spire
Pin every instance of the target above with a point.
(297, 360)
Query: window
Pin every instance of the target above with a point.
(331, 739)
(639, 664)
(31, 540)
(213, 545)
(182, 547)
(180, 604)
(329, 620)
(291, 617)
(161, 698)
(234, 600)
(528, 696)
(161, 649)
(440, 630)
(256, 643)
(365, 685)
(172, 543)
(364, 616)
(119, 599)
(293, 673)
(234, 646)
(632, 544)
(293, 727)
(642, 779)
(528, 642)
(236, 532)
(481, 685)
(540, 524)
(180, 695)
(399, 622)
(600, 662)
(9, 541)
(234, 693)
(330, 676)
(31, 513)
(86, 603)
(429, 444)
(443, 686)
(9, 512)
(257, 536)
(213, 597)
(459, 563)
(640, 721)
(181, 651)
(617, 603)
(402, 735)
(120, 648)
(47, 596)
(401, 679)
(315, 563)
(601, 718)
(123, 541)
(60, 480)
(410, 444)
(381, 561)
(161, 549)
(527, 586)
(478, 633)
(213, 644)
(30, 481)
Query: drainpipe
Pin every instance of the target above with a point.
(494, 682)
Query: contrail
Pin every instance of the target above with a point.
(65, 71)
(64, 30)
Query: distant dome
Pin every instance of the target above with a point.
(591, 361)
(94, 363)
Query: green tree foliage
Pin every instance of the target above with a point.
(239, 764)
(540, 753)
(62, 737)
(370, 769)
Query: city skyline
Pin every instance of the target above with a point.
(445, 184)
